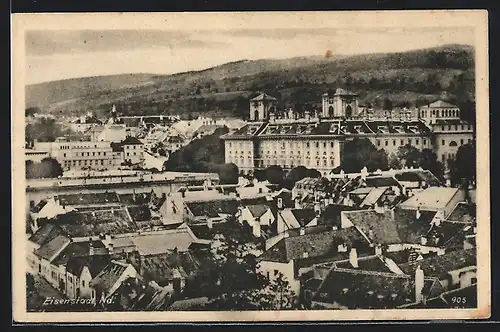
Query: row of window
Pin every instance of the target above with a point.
(83, 154)
(444, 113)
(469, 127)
(67, 147)
(69, 163)
(402, 142)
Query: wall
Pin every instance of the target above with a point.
(285, 268)
(84, 283)
(240, 153)
(133, 153)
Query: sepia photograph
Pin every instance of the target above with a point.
(265, 166)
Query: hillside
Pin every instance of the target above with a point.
(416, 77)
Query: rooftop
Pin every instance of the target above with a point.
(367, 263)
(154, 243)
(45, 234)
(163, 268)
(48, 250)
(88, 198)
(108, 276)
(77, 249)
(432, 198)
(315, 244)
(95, 264)
(258, 210)
(213, 208)
(263, 96)
(463, 212)
(438, 266)
(441, 104)
(418, 176)
(367, 289)
(130, 140)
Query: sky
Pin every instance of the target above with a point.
(69, 51)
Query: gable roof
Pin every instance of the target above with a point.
(418, 176)
(160, 242)
(373, 196)
(381, 181)
(45, 234)
(441, 104)
(258, 210)
(107, 278)
(94, 263)
(213, 208)
(75, 249)
(88, 198)
(166, 266)
(367, 289)
(48, 250)
(303, 216)
(392, 227)
(438, 266)
(315, 244)
(131, 140)
(463, 212)
(263, 96)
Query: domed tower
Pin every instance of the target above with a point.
(343, 104)
(261, 106)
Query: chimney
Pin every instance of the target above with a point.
(419, 284)
(256, 229)
(280, 203)
(272, 117)
(110, 248)
(379, 208)
(378, 249)
(210, 223)
(353, 258)
(307, 115)
(91, 248)
(302, 231)
(418, 214)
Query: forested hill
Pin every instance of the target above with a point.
(414, 77)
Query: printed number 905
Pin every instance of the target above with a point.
(458, 299)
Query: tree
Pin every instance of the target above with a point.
(228, 173)
(47, 168)
(387, 104)
(463, 168)
(408, 156)
(429, 161)
(360, 152)
(260, 175)
(274, 174)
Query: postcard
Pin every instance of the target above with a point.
(250, 166)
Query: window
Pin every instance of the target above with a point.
(434, 113)
(456, 127)
(134, 153)
(64, 154)
(317, 144)
(307, 144)
(442, 127)
(331, 144)
(324, 145)
(416, 141)
(402, 142)
(442, 142)
(394, 142)
(93, 153)
(83, 283)
(461, 142)
(424, 142)
(378, 142)
(386, 142)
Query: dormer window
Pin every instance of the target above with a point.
(357, 128)
(334, 128)
(383, 129)
(413, 129)
(398, 129)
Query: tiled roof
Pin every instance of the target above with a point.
(258, 210)
(331, 214)
(367, 289)
(164, 267)
(188, 304)
(108, 276)
(138, 198)
(94, 263)
(139, 213)
(315, 244)
(45, 234)
(116, 147)
(116, 221)
(418, 176)
(438, 266)
(373, 196)
(469, 293)
(303, 216)
(432, 198)
(52, 247)
(382, 228)
(77, 249)
(88, 198)
(367, 263)
(130, 140)
(263, 96)
(463, 212)
(213, 208)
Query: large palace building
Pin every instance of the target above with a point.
(315, 139)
